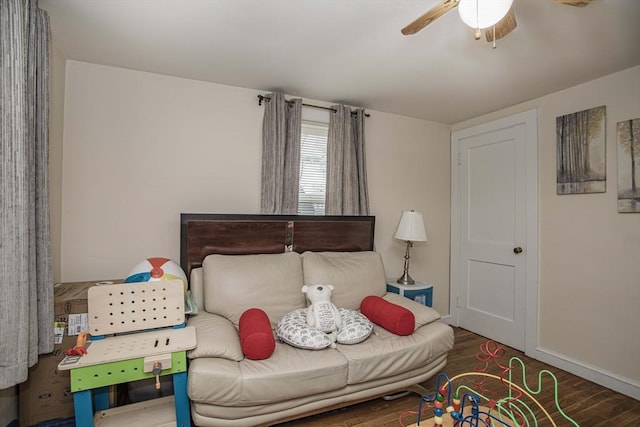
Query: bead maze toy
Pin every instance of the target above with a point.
(476, 404)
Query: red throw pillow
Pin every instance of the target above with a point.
(256, 336)
(390, 316)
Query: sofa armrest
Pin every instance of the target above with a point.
(423, 314)
(196, 285)
(216, 337)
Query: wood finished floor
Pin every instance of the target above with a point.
(589, 404)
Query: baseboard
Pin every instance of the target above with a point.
(607, 379)
(446, 319)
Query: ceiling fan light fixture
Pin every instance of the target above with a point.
(483, 13)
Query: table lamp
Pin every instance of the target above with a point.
(410, 229)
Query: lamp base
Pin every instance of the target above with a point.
(406, 279)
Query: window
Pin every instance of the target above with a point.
(313, 167)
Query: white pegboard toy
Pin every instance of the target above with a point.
(135, 306)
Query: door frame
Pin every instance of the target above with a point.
(530, 120)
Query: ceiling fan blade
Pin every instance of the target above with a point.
(433, 14)
(503, 27)
(579, 3)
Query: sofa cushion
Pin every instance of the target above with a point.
(385, 354)
(256, 336)
(392, 317)
(288, 374)
(235, 283)
(354, 275)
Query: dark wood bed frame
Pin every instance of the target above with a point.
(239, 234)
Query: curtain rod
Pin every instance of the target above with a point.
(267, 99)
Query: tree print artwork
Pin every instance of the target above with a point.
(628, 137)
(580, 161)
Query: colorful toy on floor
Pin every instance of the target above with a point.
(505, 404)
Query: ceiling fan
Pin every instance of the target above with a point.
(501, 22)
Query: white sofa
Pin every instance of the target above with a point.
(227, 389)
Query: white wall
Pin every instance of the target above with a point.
(408, 166)
(589, 260)
(141, 148)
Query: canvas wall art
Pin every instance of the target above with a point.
(581, 162)
(628, 138)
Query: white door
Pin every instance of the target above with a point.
(494, 230)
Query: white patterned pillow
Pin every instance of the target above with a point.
(294, 330)
(355, 327)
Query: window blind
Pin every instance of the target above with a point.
(313, 168)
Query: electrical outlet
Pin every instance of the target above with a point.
(164, 359)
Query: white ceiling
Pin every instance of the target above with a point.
(352, 51)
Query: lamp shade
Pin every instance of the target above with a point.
(411, 227)
(483, 13)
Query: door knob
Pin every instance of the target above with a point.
(517, 250)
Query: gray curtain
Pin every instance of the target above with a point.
(281, 129)
(347, 192)
(26, 288)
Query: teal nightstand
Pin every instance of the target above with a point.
(420, 292)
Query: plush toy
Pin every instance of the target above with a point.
(321, 313)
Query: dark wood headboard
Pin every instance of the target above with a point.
(238, 234)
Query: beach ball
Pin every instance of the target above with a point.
(157, 269)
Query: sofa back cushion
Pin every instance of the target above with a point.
(235, 283)
(354, 275)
